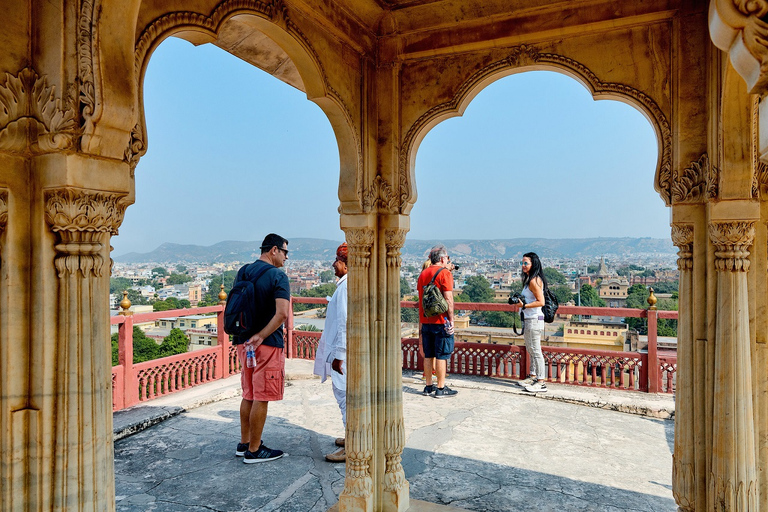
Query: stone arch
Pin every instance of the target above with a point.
(271, 19)
(528, 58)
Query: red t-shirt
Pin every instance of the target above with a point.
(444, 282)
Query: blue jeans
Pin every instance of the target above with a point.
(436, 342)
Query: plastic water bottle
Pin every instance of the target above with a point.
(250, 356)
(448, 327)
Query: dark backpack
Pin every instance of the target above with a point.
(432, 301)
(550, 305)
(239, 313)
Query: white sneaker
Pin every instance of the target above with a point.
(536, 387)
(526, 382)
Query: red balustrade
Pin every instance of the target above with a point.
(653, 372)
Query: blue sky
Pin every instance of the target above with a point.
(234, 153)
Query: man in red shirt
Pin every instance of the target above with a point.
(437, 331)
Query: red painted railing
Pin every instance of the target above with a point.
(135, 383)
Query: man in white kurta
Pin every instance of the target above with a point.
(331, 356)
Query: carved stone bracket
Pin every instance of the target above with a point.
(135, 148)
(85, 63)
(3, 209)
(682, 237)
(82, 220)
(32, 119)
(737, 28)
(379, 196)
(696, 183)
(732, 241)
(527, 55)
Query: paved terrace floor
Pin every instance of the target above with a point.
(491, 448)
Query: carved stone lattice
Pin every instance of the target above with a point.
(682, 237)
(32, 119)
(732, 241)
(82, 220)
(527, 55)
(697, 182)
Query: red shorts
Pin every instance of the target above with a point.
(265, 382)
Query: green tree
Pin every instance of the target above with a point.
(563, 293)
(409, 315)
(554, 276)
(324, 290)
(502, 318)
(181, 269)
(178, 279)
(119, 284)
(410, 268)
(478, 289)
(135, 297)
(175, 343)
(637, 296)
(214, 287)
(326, 276)
(405, 288)
(590, 298)
(144, 348)
(159, 272)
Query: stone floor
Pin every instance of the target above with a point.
(491, 448)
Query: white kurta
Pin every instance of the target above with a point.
(333, 345)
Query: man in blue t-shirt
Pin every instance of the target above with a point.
(264, 381)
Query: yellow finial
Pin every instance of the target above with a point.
(652, 300)
(125, 304)
(222, 296)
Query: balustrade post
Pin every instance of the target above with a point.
(125, 358)
(291, 352)
(653, 358)
(222, 340)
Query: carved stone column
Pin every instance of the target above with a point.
(358, 493)
(395, 493)
(75, 366)
(733, 478)
(683, 468)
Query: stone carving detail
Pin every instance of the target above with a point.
(760, 184)
(394, 239)
(32, 119)
(135, 148)
(379, 196)
(85, 63)
(358, 481)
(738, 28)
(360, 242)
(697, 182)
(732, 241)
(394, 440)
(3, 209)
(682, 237)
(526, 55)
(82, 220)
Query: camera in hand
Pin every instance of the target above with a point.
(455, 266)
(517, 298)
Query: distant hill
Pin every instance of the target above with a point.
(324, 250)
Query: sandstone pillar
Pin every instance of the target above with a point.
(358, 493)
(395, 486)
(733, 478)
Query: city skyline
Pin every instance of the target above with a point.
(234, 154)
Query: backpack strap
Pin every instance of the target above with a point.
(435, 276)
(258, 273)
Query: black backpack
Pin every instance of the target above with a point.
(550, 305)
(239, 313)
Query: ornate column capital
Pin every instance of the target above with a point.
(696, 183)
(360, 242)
(737, 28)
(682, 237)
(81, 219)
(394, 239)
(732, 241)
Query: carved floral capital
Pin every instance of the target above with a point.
(360, 242)
(394, 239)
(732, 241)
(32, 118)
(380, 196)
(82, 220)
(682, 237)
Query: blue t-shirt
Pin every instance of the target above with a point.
(272, 284)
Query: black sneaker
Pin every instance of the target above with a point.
(445, 392)
(241, 449)
(429, 390)
(263, 454)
